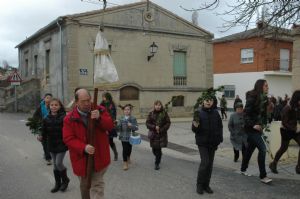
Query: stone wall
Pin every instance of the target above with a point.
(28, 94)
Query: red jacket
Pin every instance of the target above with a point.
(75, 137)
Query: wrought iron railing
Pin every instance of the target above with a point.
(278, 65)
(179, 81)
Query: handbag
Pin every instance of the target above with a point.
(135, 139)
(150, 134)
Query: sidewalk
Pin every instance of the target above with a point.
(182, 144)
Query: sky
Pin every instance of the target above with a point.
(22, 18)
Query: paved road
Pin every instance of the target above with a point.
(24, 174)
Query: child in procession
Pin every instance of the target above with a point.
(238, 136)
(126, 125)
(208, 129)
(40, 113)
(52, 131)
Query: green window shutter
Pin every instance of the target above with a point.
(179, 64)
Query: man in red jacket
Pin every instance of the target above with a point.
(75, 137)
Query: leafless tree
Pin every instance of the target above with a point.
(278, 13)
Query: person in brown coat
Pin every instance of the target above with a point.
(158, 123)
(290, 130)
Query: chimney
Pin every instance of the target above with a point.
(261, 24)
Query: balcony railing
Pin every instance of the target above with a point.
(278, 65)
(179, 81)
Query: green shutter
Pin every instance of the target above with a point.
(179, 64)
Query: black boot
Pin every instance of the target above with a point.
(65, 180)
(273, 167)
(199, 189)
(157, 167)
(57, 178)
(114, 148)
(208, 189)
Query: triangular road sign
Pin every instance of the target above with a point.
(14, 77)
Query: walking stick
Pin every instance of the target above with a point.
(91, 141)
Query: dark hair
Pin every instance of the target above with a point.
(76, 96)
(295, 99)
(62, 108)
(47, 94)
(258, 86)
(108, 98)
(239, 105)
(126, 105)
(76, 89)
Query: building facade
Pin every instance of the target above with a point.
(261, 53)
(61, 56)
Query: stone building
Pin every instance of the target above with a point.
(61, 56)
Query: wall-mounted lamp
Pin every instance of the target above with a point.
(152, 49)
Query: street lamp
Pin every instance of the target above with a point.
(152, 49)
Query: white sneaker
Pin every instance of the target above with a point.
(266, 180)
(245, 173)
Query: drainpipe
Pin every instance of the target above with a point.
(59, 23)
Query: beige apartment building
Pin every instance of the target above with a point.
(61, 56)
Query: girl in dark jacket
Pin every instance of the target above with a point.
(208, 129)
(255, 120)
(40, 113)
(52, 132)
(290, 130)
(110, 107)
(158, 123)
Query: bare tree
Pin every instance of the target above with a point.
(278, 13)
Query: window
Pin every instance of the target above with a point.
(26, 68)
(129, 93)
(179, 101)
(284, 59)
(110, 48)
(47, 65)
(179, 68)
(34, 69)
(247, 55)
(229, 91)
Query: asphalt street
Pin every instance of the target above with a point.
(25, 175)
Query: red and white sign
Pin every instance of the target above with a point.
(15, 79)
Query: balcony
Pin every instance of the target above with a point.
(179, 81)
(278, 65)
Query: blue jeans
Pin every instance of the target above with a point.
(255, 141)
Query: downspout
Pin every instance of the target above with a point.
(61, 60)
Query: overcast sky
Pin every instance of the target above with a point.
(22, 18)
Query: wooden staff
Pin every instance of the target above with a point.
(91, 141)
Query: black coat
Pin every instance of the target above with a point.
(209, 133)
(52, 132)
(253, 113)
(158, 140)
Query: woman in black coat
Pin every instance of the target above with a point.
(158, 123)
(52, 132)
(208, 128)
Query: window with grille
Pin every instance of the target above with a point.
(179, 68)
(229, 91)
(247, 55)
